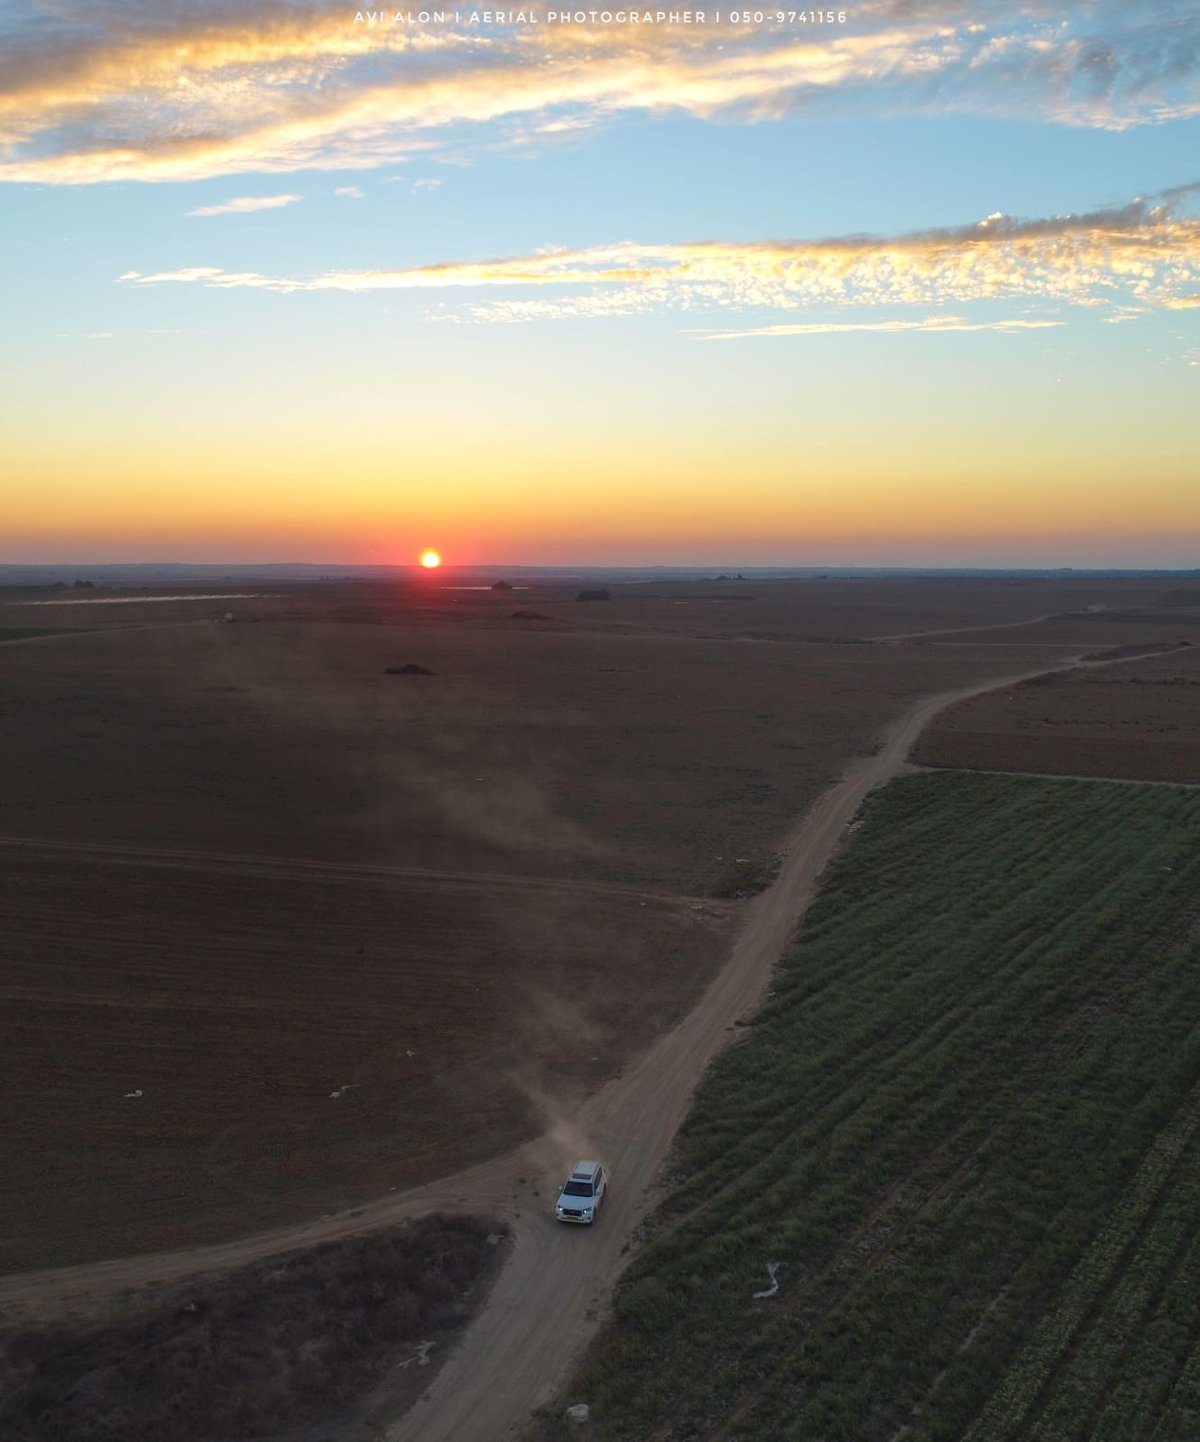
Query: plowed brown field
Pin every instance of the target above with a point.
(1137, 722)
(195, 1049)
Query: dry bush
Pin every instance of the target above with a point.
(290, 1341)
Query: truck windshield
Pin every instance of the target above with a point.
(577, 1189)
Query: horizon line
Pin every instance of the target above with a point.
(584, 566)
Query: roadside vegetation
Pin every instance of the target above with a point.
(965, 1127)
(289, 1342)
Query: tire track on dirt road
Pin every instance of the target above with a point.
(546, 1304)
(897, 636)
(90, 631)
(297, 868)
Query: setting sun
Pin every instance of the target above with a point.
(430, 559)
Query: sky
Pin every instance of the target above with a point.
(913, 282)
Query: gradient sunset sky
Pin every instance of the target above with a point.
(285, 283)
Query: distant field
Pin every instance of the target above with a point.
(967, 1127)
(646, 756)
(1140, 627)
(797, 607)
(1139, 721)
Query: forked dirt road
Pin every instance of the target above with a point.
(544, 1306)
(546, 1303)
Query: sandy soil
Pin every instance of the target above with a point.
(550, 1295)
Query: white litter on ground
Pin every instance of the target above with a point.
(772, 1272)
(341, 1091)
(420, 1356)
(580, 1412)
(134, 1094)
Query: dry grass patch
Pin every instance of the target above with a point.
(289, 1342)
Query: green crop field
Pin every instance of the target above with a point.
(966, 1128)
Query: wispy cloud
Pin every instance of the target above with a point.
(139, 90)
(245, 204)
(1140, 255)
(350, 192)
(925, 323)
(420, 186)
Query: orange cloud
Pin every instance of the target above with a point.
(1145, 254)
(134, 92)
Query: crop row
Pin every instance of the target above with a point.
(989, 1025)
(1010, 1402)
(1135, 1340)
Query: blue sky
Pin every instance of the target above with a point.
(876, 290)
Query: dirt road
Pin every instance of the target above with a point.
(971, 630)
(547, 1302)
(544, 1307)
(927, 768)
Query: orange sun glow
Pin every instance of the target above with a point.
(430, 559)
